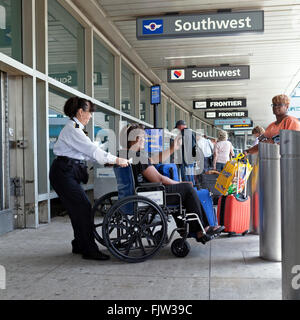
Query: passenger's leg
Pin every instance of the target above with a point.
(190, 201)
(220, 166)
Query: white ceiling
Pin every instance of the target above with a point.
(273, 56)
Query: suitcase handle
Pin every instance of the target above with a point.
(241, 199)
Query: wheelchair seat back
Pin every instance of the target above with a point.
(126, 187)
(125, 181)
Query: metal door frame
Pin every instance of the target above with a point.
(6, 215)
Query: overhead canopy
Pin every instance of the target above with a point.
(273, 56)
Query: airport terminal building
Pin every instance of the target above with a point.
(217, 68)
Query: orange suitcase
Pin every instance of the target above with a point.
(234, 214)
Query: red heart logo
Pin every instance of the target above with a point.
(177, 74)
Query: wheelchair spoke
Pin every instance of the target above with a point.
(122, 237)
(144, 218)
(141, 244)
(98, 225)
(119, 226)
(154, 224)
(148, 235)
(130, 243)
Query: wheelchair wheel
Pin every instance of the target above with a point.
(100, 209)
(180, 248)
(129, 227)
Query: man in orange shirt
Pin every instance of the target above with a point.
(280, 104)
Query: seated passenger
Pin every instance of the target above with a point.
(144, 172)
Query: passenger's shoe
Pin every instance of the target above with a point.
(213, 231)
(205, 238)
(96, 256)
(75, 248)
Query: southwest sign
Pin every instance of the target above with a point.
(218, 73)
(226, 114)
(199, 25)
(219, 103)
(232, 121)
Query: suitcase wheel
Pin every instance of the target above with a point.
(231, 234)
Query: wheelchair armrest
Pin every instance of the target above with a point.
(150, 185)
(176, 195)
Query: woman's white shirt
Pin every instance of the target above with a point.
(73, 143)
(222, 149)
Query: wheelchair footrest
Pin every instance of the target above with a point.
(205, 238)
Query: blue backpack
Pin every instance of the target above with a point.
(168, 170)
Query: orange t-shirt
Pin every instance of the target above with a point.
(289, 123)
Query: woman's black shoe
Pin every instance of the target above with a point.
(96, 256)
(75, 248)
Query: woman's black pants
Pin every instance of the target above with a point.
(190, 201)
(68, 188)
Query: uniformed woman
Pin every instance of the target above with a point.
(73, 148)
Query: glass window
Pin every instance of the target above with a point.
(11, 28)
(186, 118)
(104, 74)
(57, 119)
(144, 102)
(177, 114)
(104, 130)
(2, 153)
(65, 46)
(168, 116)
(128, 100)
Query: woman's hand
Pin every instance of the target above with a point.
(122, 162)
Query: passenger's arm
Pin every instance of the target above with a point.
(162, 156)
(152, 175)
(252, 150)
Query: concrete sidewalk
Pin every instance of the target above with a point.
(39, 265)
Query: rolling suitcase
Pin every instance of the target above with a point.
(168, 169)
(234, 213)
(208, 181)
(207, 205)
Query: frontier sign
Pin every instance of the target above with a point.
(200, 25)
(218, 73)
(226, 114)
(219, 103)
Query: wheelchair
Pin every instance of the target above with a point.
(135, 223)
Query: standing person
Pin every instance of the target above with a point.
(257, 132)
(223, 151)
(280, 105)
(207, 149)
(188, 151)
(68, 170)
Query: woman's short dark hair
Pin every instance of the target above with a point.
(74, 104)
